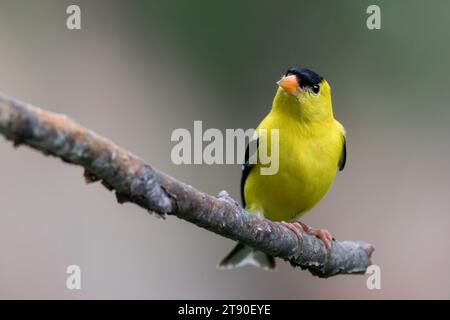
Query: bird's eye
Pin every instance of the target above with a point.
(316, 88)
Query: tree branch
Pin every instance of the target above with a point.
(135, 181)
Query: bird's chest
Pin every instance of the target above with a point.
(307, 165)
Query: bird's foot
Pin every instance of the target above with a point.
(295, 227)
(299, 227)
(322, 234)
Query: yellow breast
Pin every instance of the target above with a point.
(308, 160)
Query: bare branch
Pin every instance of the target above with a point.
(133, 180)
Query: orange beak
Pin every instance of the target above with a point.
(290, 84)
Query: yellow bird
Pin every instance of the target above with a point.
(310, 151)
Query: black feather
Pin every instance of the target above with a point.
(305, 77)
(343, 159)
(247, 166)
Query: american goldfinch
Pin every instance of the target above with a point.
(311, 150)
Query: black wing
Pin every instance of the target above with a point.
(343, 159)
(247, 166)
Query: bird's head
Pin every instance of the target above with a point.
(303, 94)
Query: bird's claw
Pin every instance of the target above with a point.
(295, 227)
(322, 234)
(299, 227)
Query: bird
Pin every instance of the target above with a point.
(311, 149)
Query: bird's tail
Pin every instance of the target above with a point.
(243, 255)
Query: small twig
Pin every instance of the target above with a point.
(133, 180)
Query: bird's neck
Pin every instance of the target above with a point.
(286, 105)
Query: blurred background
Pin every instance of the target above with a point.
(137, 70)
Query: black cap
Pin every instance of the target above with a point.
(305, 77)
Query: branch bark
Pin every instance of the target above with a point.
(135, 181)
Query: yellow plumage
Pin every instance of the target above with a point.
(311, 149)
